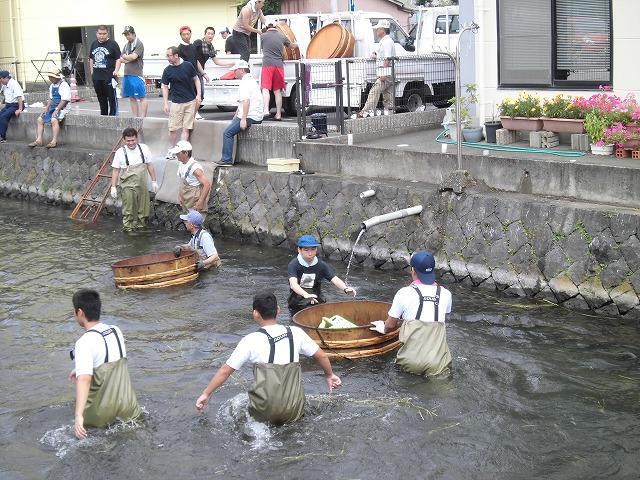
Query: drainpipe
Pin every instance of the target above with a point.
(387, 217)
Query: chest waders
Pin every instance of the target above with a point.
(277, 395)
(111, 395)
(425, 350)
(135, 193)
(191, 194)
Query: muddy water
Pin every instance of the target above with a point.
(537, 391)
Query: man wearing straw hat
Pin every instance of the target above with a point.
(54, 111)
(384, 82)
(421, 308)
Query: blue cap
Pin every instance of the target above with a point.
(424, 264)
(308, 241)
(4, 73)
(225, 30)
(193, 217)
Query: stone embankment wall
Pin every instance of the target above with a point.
(582, 256)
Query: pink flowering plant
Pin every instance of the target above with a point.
(565, 106)
(608, 116)
(619, 133)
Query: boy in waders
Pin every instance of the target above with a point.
(306, 272)
(103, 387)
(421, 308)
(277, 395)
(130, 166)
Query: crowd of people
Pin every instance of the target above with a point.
(104, 390)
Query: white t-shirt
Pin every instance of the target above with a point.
(406, 302)
(11, 91)
(133, 156)
(63, 89)
(90, 349)
(249, 89)
(191, 166)
(255, 347)
(202, 242)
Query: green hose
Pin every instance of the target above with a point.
(509, 148)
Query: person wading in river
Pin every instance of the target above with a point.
(277, 395)
(306, 272)
(421, 308)
(104, 392)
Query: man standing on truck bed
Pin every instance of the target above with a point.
(384, 82)
(272, 75)
(246, 25)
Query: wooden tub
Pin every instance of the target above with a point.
(349, 342)
(156, 270)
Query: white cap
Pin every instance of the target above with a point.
(239, 64)
(382, 24)
(182, 146)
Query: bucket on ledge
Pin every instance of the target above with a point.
(319, 123)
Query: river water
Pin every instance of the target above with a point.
(537, 391)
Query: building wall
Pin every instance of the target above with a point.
(34, 30)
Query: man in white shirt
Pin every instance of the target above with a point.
(277, 395)
(103, 387)
(250, 110)
(421, 308)
(201, 241)
(195, 186)
(130, 166)
(13, 102)
(384, 82)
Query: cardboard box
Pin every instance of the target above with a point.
(283, 164)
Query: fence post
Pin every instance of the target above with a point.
(339, 98)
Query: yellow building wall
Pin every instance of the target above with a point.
(29, 28)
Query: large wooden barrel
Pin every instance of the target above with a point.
(331, 41)
(289, 53)
(156, 270)
(356, 342)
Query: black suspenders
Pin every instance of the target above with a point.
(272, 343)
(126, 157)
(109, 331)
(425, 298)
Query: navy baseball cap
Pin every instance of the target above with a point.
(4, 73)
(424, 264)
(308, 241)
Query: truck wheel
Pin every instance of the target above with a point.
(225, 108)
(413, 100)
(290, 104)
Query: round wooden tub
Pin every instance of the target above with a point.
(289, 53)
(355, 342)
(156, 270)
(331, 41)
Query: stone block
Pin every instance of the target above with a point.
(535, 139)
(549, 139)
(505, 137)
(580, 142)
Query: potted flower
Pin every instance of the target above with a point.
(523, 113)
(470, 134)
(622, 136)
(564, 113)
(595, 124)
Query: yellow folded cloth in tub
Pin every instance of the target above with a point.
(336, 322)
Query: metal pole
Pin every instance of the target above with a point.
(474, 28)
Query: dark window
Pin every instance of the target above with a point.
(554, 43)
(441, 24)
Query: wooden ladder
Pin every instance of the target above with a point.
(88, 205)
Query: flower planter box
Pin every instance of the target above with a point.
(601, 149)
(632, 144)
(522, 123)
(564, 125)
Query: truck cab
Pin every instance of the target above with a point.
(435, 29)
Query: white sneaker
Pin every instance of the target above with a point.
(199, 117)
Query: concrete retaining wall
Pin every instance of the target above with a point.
(583, 256)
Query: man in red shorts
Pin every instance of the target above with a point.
(272, 77)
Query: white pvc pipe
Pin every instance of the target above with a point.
(367, 194)
(387, 217)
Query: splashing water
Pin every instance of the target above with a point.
(346, 277)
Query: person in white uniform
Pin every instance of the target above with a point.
(195, 186)
(201, 241)
(277, 395)
(384, 83)
(131, 163)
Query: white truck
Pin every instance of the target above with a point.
(421, 76)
